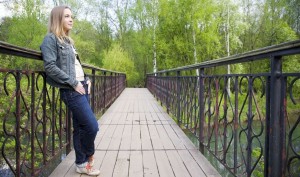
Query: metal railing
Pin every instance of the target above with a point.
(249, 121)
(35, 124)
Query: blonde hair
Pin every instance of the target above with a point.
(55, 25)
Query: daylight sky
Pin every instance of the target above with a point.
(4, 11)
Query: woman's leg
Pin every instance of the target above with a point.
(84, 123)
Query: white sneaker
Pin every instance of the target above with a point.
(86, 168)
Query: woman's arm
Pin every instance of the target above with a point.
(49, 54)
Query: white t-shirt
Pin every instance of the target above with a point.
(78, 68)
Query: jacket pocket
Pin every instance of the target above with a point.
(63, 50)
(63, 54)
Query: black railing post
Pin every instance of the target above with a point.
(267, 133)
(44, 104)
(161, 91)
(53, 122)
(236, 124)
(32, 121)
(111, 88)
(178, 97)
(275, 151)
(201, 110)
(18, 115)
(115, 96)
(104, 92)
(225, 107)
(249, 127)
(69, 130)
(93, 89)
(157, 87)
(168, 90)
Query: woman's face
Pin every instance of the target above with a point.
(67, 20)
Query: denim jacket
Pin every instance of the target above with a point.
(59, 62)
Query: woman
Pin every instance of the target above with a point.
(64, 70)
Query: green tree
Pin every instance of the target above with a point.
(85, 37)
(118, 60)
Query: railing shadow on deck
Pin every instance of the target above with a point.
(249, 121)
(35, 124)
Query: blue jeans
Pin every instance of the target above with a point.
(85, 125)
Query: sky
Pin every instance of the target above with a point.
(4, 11)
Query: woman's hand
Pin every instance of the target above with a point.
(89, 83)
(79, 88)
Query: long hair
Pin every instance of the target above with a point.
(55, 25)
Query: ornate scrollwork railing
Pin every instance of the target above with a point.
(35, 124)
(249, 122)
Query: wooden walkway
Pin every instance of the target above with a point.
(137, 138)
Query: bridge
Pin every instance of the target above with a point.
(248, 122)
(138, 138)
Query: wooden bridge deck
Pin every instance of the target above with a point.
(137, 138)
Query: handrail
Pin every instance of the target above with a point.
(288, 48)
(36, 124)
(243, 120)
(6, 48)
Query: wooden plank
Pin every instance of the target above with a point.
(187, 142)
(72, 172)
(163, 164)
(204, 163)
(145, 138)
(65, 166)
(99, 136)
(116, 118)
(136, 143)
(157, 106)
(129, 118)
(126, 138)
(116, 138)
(161, 117)
(130, 105)
(168, 118)
(136, 165)
(136, 106)
(177, 164)
(104, 143)
(156, 142)
(108, 164)
(99, 157)
(177, 142)
(122, 164)
(149, 118)
(106, 118)
(165, 139)
(126, 105)
(143, 120)
(135, 118)
(141, 105)
(149, 105)
(154, 105)
(149, 163)
(122, 118)
(155, 118)
(190, 163)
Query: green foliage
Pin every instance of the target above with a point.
(26, 29)
(178, 33)
(259, 172)
(118, 60)
(84, 34)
